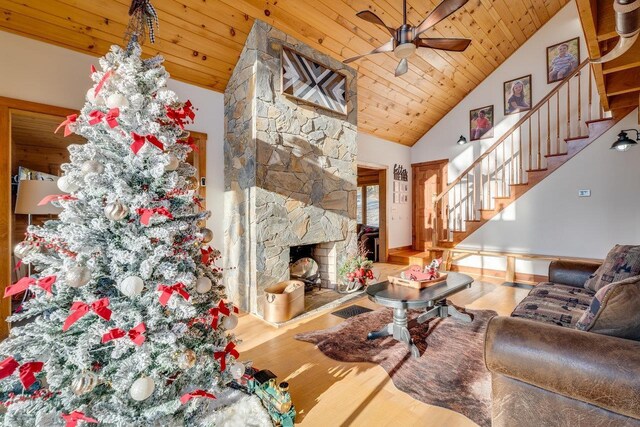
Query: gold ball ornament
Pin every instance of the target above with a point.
(186, 359)
(192, 183)
(115, 211)
(84, 383)
(172, 164)
(230, 322)
(207, 235)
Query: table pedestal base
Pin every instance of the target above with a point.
(399, 328)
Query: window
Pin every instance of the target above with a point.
(369, 214)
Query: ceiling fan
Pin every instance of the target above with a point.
(406, 39)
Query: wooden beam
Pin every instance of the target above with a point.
(606, 20)
(587, 10)
(625, 81)
(5, 216)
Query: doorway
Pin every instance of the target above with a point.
(371, 206)
(429, 180)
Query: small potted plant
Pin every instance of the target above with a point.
(355, 272)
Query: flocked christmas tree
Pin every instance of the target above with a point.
(127, 325)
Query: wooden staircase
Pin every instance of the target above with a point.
(561, 125)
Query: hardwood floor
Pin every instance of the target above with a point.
(331, 393)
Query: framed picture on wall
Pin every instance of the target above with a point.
(562, 59)
(517, 95)
(308, 81)
(481, 123)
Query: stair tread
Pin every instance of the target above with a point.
(536, 170)
(473, 220)
(604, 119)
(576, 137)
(522, 184)
(556, 155)
(501, 197)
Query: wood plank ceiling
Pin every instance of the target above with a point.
(618, 80)
(202, 39)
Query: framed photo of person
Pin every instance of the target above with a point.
(481, 123)
(562, 59)
(517, 95)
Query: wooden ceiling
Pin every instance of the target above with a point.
(202, 39)
(618, 81)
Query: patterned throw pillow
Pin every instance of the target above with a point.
(615, 310)
(622, 261)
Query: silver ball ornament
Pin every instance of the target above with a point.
(84, 383)
(186, 359)
(116, 100)
(22, 249)
(91, 95)
(237, 370)
(115, 211)
(142, 388)
(99, 101)
(77, 276)
(173, 163)
(131, 286)
(203, 285)
(66, 185)
(207, 235)
(91, 166)
(230, 322)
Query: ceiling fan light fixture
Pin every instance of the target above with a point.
(405, 50)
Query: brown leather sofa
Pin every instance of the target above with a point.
(548, 375)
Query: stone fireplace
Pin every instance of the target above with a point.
(290, 172)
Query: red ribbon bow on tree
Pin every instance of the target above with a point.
(146, 214)
(178, 115)
(197, 393)
(109, 118)
(56, 198)
(222, 355)
(136, 334)
(73, 418)
(24, 283)
(167, 291)
(67, 124)
(222, 308)
(26, 371)
(79, 309)
(206, 254)
(139, 141)
(190, 142)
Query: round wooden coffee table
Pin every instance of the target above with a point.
(402, 298)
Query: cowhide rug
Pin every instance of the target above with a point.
(450, 372)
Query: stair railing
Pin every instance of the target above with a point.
(539, 134)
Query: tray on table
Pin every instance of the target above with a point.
(418, 284)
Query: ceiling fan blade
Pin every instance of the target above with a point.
(387, 47)
(403, 67)
(367, 15)
(444, 9)
(454, 45)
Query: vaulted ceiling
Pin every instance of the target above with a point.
(202, 39)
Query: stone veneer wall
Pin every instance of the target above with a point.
(290, 169)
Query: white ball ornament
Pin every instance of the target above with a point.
(78, 276)
(173, 163)
(116, 100)
(203, 285)
(91, 166)
(131, 286)
(237, 370)
(91, 95)
(142, 388)
(230, 322)
(115, 211)
(100, 101)
(66, 185)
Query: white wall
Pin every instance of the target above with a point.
(39, 72)
(550, 219)
(374, 151)
(530, 58)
